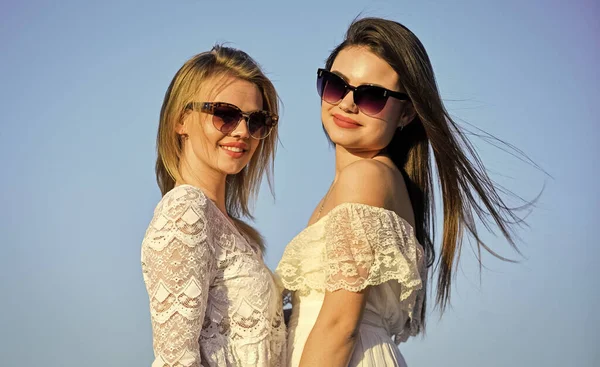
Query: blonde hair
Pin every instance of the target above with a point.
(242, 187)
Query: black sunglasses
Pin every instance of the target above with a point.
(370, 99)
(227, 117)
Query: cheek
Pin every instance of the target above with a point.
(387, 120)
(326, 109)
(326, 115)
(391, 112)
(204, 140)
(209, 134)
(379, 133)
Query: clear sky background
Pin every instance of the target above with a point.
(81, 86)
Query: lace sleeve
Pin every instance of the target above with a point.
(178, 266)
(367, 246)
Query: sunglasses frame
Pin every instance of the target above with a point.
(209, 108)
(324, 74)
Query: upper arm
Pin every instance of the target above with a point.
(363, 182)
(341, 311)
(177, 264)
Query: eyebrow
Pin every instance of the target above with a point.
(374, 84)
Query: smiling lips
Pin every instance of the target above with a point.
(345, 122)
(234, 149)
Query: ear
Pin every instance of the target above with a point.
(181, 125)
(407, 115)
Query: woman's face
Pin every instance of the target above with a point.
(345, 123)
(207, 149)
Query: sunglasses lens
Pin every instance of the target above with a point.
(259, 124)
(226, 118)
(370, 99)
(331, 87)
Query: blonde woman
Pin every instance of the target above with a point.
(213, 302)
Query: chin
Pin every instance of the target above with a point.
(233, 169)
(356, 144)
(343, 139)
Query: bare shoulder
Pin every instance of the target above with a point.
(367, 181)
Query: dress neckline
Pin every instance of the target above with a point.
(234, 229)
(350, 204)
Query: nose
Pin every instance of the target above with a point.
(347, 103)
(241, 130)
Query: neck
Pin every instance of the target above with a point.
(211, 182)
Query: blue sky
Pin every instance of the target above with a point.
(82, 85)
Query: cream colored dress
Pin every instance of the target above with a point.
(213, 302)
(353, 247)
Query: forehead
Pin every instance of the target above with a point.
(239, 92)
(358, 65)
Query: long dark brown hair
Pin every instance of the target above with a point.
(468, 193)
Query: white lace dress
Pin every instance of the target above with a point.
(355, 246)
(213, 302)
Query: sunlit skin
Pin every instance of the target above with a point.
(208, 154)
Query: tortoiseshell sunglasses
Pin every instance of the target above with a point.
(227, 117)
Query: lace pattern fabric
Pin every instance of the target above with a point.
(213, 302)
(355, 246)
